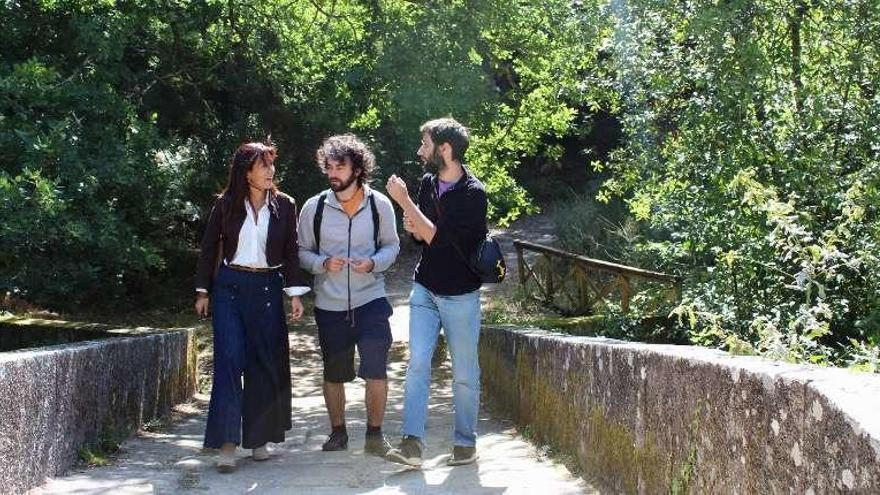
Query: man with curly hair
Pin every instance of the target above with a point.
(347, 238)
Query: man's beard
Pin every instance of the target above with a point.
(341, 186)
(433, 163)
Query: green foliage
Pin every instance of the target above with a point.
(750, 164)
(117, 118)
(522, 309)
(596, 230)
(87, 202)
(863, 357)
(101, 451)
(752, 142)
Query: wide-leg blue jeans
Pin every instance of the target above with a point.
(250, 341)
(459, 316)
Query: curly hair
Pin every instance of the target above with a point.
(338, 147)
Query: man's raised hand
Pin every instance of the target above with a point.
(396, 188)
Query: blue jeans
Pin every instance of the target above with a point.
(459, 316)
(250, 341)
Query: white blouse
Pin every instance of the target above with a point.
(251, 250)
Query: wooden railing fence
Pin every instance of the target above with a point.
(578, 285)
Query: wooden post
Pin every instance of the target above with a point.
(521, 264)
(625, 292)
(548, 266)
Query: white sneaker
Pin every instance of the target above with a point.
(226, 462)
(260, 453)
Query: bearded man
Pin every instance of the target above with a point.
(347, 238)
(448, 219)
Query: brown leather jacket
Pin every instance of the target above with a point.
(281, 245)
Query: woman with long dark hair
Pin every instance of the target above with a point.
(248, 261)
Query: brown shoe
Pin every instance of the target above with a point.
(462, 455)
(338, 440)
(376, 444)
(409, 452)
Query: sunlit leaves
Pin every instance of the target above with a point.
(755, 151)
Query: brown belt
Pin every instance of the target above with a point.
(251, 269)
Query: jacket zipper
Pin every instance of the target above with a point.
(348, 265)
(350, 315)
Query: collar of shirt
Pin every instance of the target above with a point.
(442, 186)
(332, 201)
(354, 202)
(251, 249)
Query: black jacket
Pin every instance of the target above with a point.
(281, 245)
(460, 218)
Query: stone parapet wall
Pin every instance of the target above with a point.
(644, 418)
(54, 400)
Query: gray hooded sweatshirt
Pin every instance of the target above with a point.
(348, 238)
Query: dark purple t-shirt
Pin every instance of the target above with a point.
(443, 186)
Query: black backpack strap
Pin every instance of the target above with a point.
(375, 222)
(316, 224)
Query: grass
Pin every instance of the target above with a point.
(517, 308)
(102, 451)
(155, 425)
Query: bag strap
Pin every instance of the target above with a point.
(316, 223)
(319, 217)
(375, 223)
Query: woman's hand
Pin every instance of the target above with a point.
(296, 308)
(202, 304)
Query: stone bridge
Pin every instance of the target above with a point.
(630, 418)
(172, 460)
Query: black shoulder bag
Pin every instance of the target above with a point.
(487, 261)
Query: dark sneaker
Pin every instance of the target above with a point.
(462, 455)
(409, 452)
(338, 441)
(375, 444)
